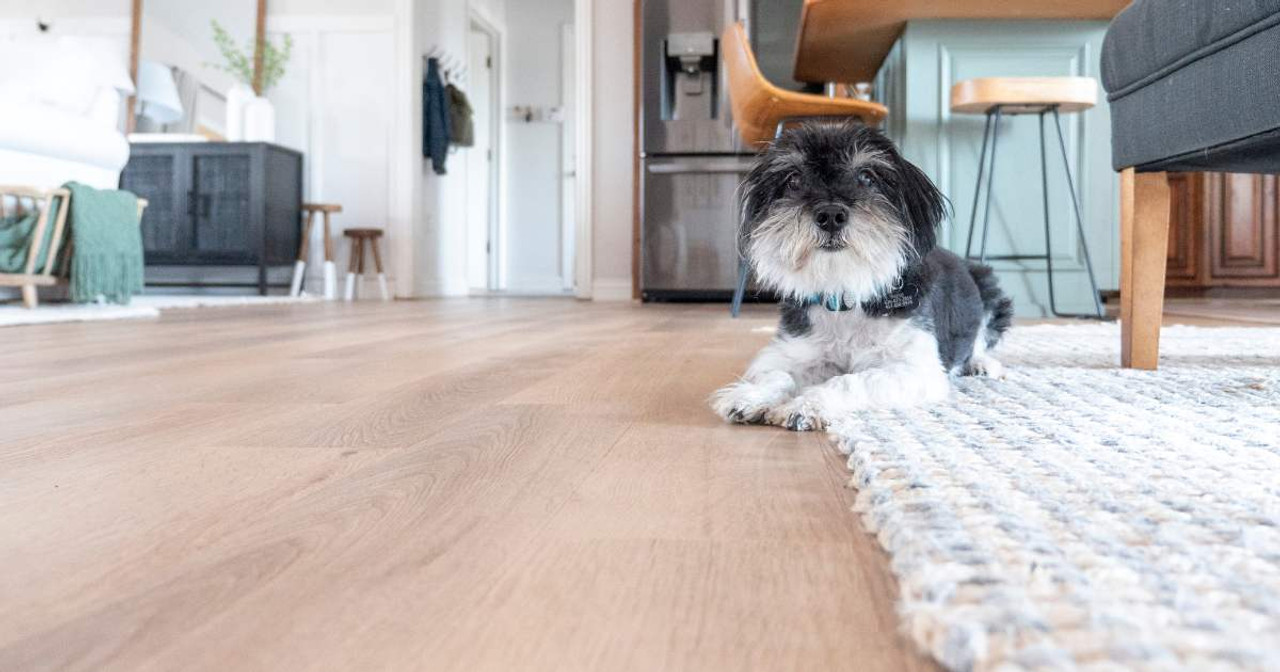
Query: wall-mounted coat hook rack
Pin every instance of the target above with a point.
(451, 67)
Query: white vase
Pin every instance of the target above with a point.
(259, 120)
(238, 96)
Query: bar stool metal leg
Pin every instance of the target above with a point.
(1048, 234)
(991, 184)
(1075, 207)
(977, 187)
(744, 272)
(993, 117)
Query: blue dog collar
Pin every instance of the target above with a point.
(832, 302)
(905, 296)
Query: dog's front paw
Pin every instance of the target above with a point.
(798, 415)
(743, 402)
(985, 366)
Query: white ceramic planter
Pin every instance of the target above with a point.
(238, 96)
(259, 120)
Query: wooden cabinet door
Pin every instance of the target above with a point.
(1242, 227)
(1185, 231)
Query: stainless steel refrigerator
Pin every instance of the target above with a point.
(691, 158)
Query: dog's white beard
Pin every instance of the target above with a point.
(784, 251)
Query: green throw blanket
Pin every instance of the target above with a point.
(15, 239)
(106, 257)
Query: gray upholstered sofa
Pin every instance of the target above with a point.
(1194, 85)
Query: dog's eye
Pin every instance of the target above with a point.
(793, 182)
(866, 178)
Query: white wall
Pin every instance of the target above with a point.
(330, 7)
(613, 156)
(52, 11)
(533, 149)
(439, 221)
(175, 35)
(337, 105)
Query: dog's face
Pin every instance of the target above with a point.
(834, 207)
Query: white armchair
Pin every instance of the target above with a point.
(60, 107)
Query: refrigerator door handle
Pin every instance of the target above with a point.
(700, 167)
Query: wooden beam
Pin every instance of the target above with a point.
(20, 279)
(259, 42)
(135, 40)
(1144, 245)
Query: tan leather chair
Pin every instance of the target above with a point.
(760, 108)
(761, 111)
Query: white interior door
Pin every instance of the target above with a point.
(568, 154)
(481, 175)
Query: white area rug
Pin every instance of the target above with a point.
(146, 306)
(1080, 517)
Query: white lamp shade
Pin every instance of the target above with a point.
(157, 93)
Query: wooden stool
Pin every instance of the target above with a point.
(356, 266)
(999, 96)
(300, 266)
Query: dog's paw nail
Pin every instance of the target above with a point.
(799, 422)
(736, 415)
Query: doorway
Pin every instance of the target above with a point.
(483, 233)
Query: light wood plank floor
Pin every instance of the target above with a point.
(482, 484)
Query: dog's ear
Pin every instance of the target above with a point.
(756, 191)
(921, 204)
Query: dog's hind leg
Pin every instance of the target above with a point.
(980, 362)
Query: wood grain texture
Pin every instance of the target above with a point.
(259, 44)
(484, 484)
(1019, 95)
(758, 105)
(1185, 266)
(1224, 232)
(135, 47)
(1243, 227)
(1144, 245)
(847, 40)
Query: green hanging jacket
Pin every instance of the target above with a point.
(461, 129)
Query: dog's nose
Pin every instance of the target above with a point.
(831, 218)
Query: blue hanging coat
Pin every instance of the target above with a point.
(435, 118)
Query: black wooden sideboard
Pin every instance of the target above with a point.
(224, 214)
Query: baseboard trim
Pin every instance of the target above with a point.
(538, 286)
(611, 289)
(439, 287)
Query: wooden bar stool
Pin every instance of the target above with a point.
(300, 266)
(999, 96)
(356, 266)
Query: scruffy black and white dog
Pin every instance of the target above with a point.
(873, 314)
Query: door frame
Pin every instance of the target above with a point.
(584, 24)
(495, 259)
(568, 147)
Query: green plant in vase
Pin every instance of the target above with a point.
(239, 61)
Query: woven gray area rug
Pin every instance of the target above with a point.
(1076, 516)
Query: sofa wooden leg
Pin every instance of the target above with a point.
(29, 297)
(1144, 244)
